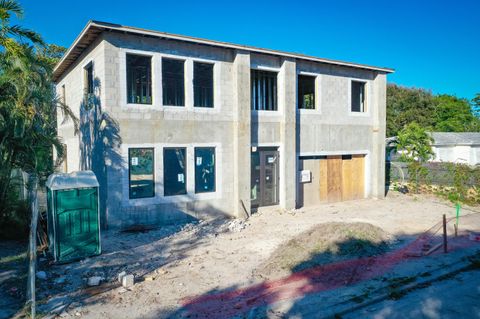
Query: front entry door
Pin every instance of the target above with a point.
(264, 177)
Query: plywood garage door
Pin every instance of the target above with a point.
(342, 178)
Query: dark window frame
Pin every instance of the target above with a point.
(214, 168)
(301, 89)
(211, 85)
(64, 94)
(264, 90)
(88, 85)
(362, 102)
(129, 172)
(165, 149)
(148, 84)
(165, 87)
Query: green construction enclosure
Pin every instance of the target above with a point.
(73, 216)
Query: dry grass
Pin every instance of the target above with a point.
(323, 244)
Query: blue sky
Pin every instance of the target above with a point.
(431, 44)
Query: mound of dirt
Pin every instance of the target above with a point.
(324, 244)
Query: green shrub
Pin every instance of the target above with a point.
(15, 219)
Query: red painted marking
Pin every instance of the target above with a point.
(321, 278)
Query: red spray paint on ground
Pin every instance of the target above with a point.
(313, 280)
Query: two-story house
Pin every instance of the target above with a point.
(177, 127)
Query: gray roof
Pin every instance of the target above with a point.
(447, 138)
(94, 28)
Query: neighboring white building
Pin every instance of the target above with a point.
(456, 147)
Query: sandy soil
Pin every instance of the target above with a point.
(323, 244)
(178, 262)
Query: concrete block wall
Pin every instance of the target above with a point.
(186, 126)
(332, 129)
(231, 127)
(73, 80)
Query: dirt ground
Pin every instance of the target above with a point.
(327, 243)
(178, 262)
(436, 301)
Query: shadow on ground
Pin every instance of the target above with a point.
(139, 252)
(13, 281)
(309, 278)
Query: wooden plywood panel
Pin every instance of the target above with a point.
(348, 179)
(359, 175)
(323, 180)
(334, 178)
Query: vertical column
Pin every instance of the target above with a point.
(241, 135)
(378, 138)
(288, 152)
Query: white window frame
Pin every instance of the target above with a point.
(368, 104)
(318, 94)
(157, 84)
(264, 114)
(215, 97)
(159, 197)
(185, 83)
(124, 84)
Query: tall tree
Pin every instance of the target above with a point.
(406, 105)
(476, 105)
(12, 36)
(453, 114)
(441, 113)
(28, 105)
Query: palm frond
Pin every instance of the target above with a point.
(24, 33)
(7, 7)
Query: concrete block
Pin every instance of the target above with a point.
(128, 281)
(121, 275)
(94, 281)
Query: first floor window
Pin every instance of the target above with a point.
(264, 90)
(139, 79)
(203, 84)
(140, 167)
(358, 96)
(173, 82)
(174, 171)
(204, 169)
(306, 92)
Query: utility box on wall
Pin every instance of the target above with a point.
(73, 216)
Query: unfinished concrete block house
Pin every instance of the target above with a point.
(176, 127)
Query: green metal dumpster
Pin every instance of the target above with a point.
(73, 216)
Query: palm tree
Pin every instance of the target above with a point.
(28, 105)
(12, 35)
